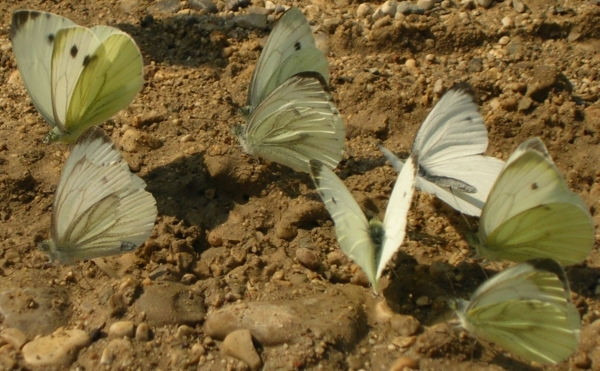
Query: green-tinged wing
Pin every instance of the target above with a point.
(100, 208)
(110, 80)
(561, 231)
(32, 34)
(531, 329)
(296, 123)
(351, 225)
(72, 48)
(531, 212)
(526, 310)
(278, 61)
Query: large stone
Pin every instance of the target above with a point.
(168, 303)
(59, 349)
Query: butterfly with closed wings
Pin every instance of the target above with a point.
(291, 117)
(100, 207)
(531, 212)
(451, 142)
(527, 310)
(76, 77)
(370, 244)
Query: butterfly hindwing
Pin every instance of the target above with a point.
(296, 123)
(290, 49)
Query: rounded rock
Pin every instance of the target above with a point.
(364, 10)
(58, 349)
(142, 332)
(308, 258)
(485, 3)
(426, 4)
(238, 344)
(122, 329)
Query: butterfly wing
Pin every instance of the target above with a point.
(32, 34)
(454, 128)
(396, 214)
(296, 123)
(111, 74)
(531, 212)
(72, 48)
(527, 310)
(351, 225)
(100, 208)
(290, 49)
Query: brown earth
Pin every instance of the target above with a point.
(239, 231)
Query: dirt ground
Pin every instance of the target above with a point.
(238, 239)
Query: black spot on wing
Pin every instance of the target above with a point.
(333, 200)
(74, 51)
(534, 186)
(297, 45)
(88, 58)
(50, 38)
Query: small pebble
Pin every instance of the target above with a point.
(142, 332)
(485, 3)
(235, 5)
(426, 4)
(387, 8)
(364, 10)
(508, 22)
(251, 21)
(122, 329)
(238, 344)
(184, 331)
(504, 40)
(438, 87)
(308, 258)
(406, 8)
(410, 63)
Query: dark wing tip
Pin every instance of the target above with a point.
(463, 87)
(552, 266)
(316, 167)
(19, 18)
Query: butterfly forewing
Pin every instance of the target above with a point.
(453, 129)
(33, 35)
(291, 35)
(396, 214)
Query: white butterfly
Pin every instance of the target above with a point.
(76, 77)
(451, 142)
(291, 117)
(290, 50)
(526, 310)
(532, 213)
(371, 244)
(100, 207)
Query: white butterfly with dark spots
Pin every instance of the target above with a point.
(526, 310)
(291, 117)
(451, 143)
(370, 244)
(100, 207)
(532, 213)
(75, 76)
